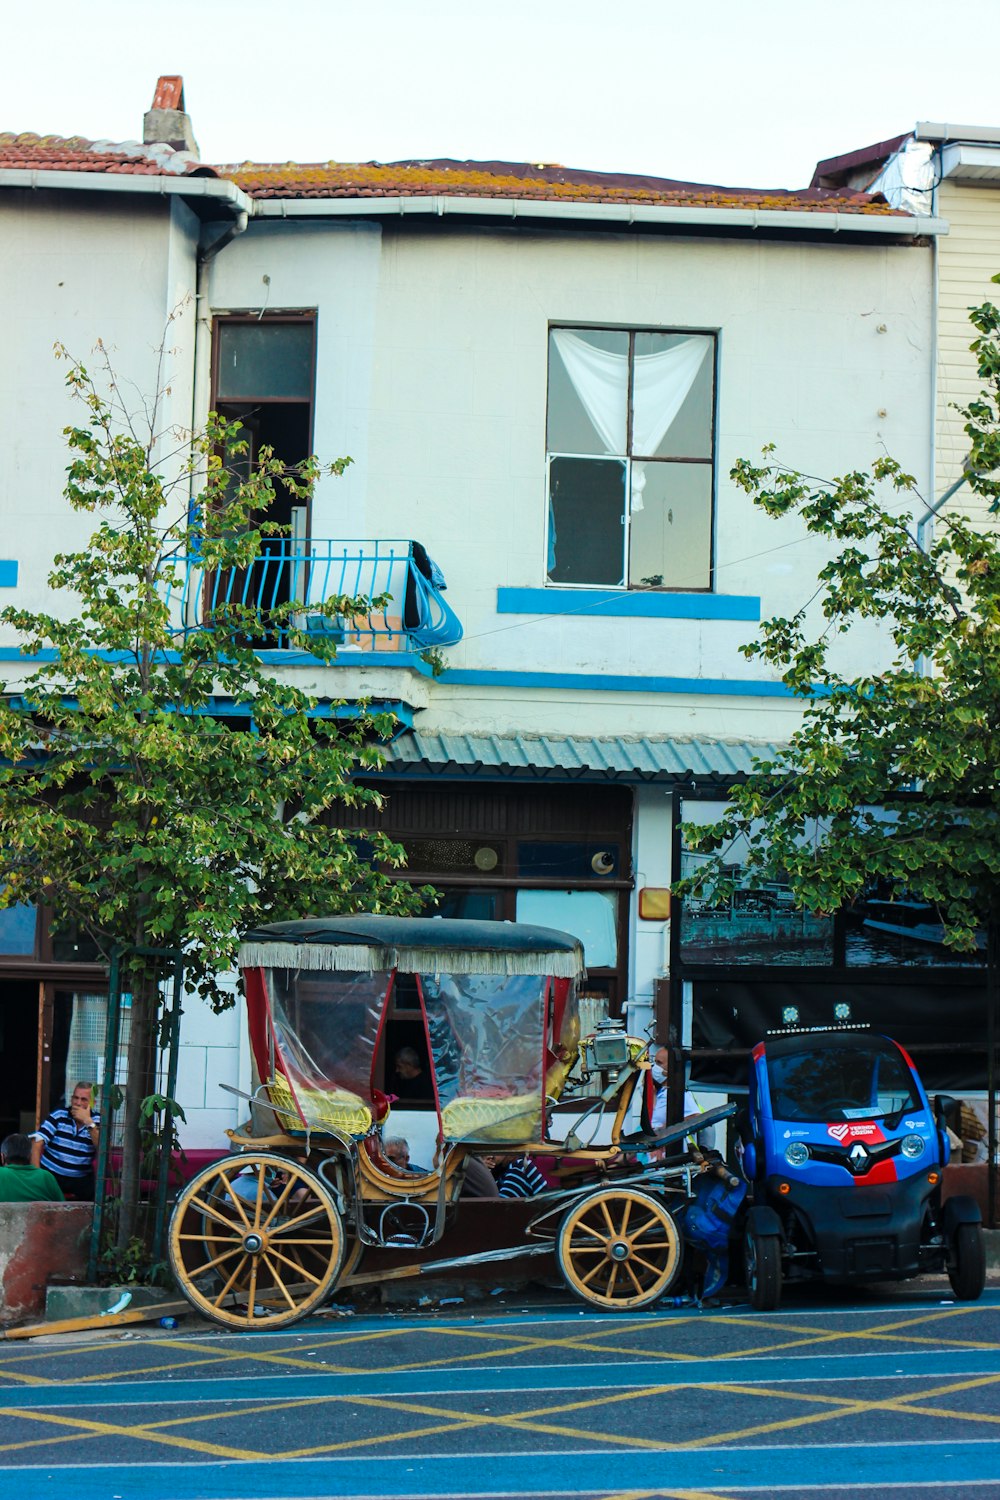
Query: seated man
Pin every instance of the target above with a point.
(397, 1149)
(516, 1177)
(412, 1080)
(20, 1182)
(66, 1145)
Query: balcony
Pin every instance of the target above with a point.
(310, 573)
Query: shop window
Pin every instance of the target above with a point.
(630, 441)
(590, 916)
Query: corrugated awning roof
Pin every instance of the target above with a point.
(575, 757)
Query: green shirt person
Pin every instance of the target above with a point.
(20, 1182)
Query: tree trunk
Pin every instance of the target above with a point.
(138, 1084)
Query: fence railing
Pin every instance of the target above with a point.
(310, 574)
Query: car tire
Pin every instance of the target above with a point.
(762, 1264)
(967, 1266)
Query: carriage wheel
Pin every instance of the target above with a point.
(618, 1248)
(352, 1259)
(256, 1241)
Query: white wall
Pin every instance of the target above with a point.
(78, 270)
(432, 352)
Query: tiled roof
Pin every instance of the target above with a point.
(630, 758)
(54, 153)
(497, 179)
(418, 179)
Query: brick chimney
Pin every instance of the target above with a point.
(165, 122)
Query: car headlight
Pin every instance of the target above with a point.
(913, 1146)
(797, 1154)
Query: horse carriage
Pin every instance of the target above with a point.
(268, 1234)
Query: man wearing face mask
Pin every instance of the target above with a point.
(658, 1110)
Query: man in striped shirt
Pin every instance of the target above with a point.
(66, 1145)
(517, 1178)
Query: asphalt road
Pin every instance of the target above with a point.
(833, 1396)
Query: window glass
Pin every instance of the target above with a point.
(588, 390)
(17, 929)
(480, 906)
(590, 916)
(586, 520)
(630, 445)
(672, 397)
(257, 361)
(842, 1083)
(571, 859)
(670, 538)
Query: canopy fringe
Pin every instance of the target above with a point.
(360, 958)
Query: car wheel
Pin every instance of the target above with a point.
(967, 1267)
(762, 1262)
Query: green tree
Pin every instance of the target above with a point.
(893, 774)
(127, 804)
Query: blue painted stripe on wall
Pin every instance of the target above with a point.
(715, 687)
(600, 682)
(629, 606)
(8, 574)
(272, 658)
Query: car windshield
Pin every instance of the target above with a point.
(840, 1083)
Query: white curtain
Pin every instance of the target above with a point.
(662, 383)
(600, 379)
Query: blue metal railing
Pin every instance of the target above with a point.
(308, 575)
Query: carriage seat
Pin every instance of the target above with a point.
(329, 1108)
(516, 1118)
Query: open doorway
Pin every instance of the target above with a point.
(19, 1038)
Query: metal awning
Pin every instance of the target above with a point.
(628, 758)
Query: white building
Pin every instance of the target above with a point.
(543, 376)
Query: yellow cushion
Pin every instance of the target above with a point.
(516, 1118)
(324, 1109)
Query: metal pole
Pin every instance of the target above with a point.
(992, 996)
(166, 1136)
(104, 1140)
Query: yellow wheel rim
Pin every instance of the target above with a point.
(618, 1248)
(256, 1241)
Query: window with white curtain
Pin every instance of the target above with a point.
(630, 438)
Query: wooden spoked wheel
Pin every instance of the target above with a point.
(618, 1248)
(256, 1241)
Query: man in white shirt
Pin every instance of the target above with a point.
(658, 1113)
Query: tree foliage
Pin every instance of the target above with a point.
(128, 804)
(892, 775)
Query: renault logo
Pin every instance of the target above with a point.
(858, 1155)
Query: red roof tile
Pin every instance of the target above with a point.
(416, 179)
(495, 179)
(53, 153)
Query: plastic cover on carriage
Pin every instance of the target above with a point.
(497, 1001)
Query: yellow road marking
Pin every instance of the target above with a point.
(26, 1379)
(531, 1420)
(47, 1442)
(110, 1429)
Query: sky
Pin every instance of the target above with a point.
(715, 91)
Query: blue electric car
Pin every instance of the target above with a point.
(844, 1160)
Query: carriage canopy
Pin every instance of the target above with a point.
(497, 1001)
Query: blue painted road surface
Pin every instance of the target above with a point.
(824, 1398)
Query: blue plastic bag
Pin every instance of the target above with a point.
(708, 1220)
